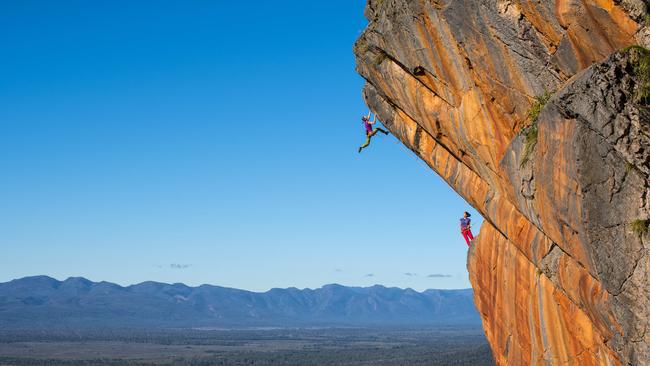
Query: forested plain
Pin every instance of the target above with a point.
(255, 347)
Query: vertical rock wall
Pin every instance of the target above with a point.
(559, 275)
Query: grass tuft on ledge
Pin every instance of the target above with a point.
(642, 72)
(538, 105)
(530, 135)
(640, 227)
(530, 132)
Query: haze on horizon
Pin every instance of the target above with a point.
(208, 143)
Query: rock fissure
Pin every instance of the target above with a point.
(406, 142)
(408, 71)
(639, 257)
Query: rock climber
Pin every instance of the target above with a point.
(370, 132)
(466, 228)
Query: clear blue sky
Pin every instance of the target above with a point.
(207, 142)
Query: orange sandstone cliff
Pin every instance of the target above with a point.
(536, 113)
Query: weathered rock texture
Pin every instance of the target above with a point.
(559, 276)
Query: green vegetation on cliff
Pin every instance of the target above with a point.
(642, 71)
(530, 132)
(640, 227)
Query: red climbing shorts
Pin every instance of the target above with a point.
(467, 234)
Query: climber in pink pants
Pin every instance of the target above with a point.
(466, 228)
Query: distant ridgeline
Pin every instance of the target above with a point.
(39, 302)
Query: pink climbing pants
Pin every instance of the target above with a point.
(467, 234)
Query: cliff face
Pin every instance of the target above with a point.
(532, 113)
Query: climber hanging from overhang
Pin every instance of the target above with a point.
(370, 132)
(466, 228)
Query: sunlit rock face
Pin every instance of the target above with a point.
(559, 275)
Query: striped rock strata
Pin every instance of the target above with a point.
(559, 276)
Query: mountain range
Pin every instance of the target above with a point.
(44, 302)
